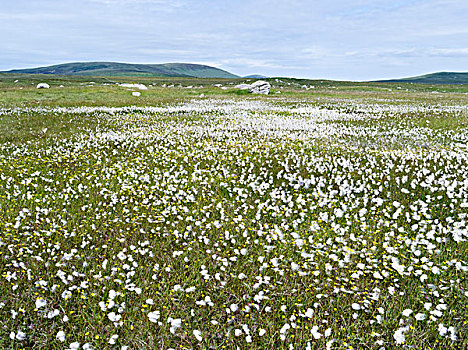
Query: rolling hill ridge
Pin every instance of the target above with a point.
(128, 69)
(433, 78)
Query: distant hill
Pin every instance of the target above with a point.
(127, 69)
(434, 78)
(255, 76)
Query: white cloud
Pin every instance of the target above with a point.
(316, 52)
(175, 52)
(450, 52)
(37, 16)
(252, 62)
(173, 3)
(367, 39)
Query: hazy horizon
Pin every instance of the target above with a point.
(270, 76)
(362, 40)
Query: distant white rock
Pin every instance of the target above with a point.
(260, 87)
(43, 86)
(134, 86)
(136, 93)
(202, 95)
(218, 85)
(243, 86)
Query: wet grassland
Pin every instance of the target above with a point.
(328, 218)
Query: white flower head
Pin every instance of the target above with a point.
(154, 316)
(399, 335)
(113, 339)
(309, 313)
(407, 312)
(442, 329)
(40, 303)
(420, 317)
(315, 333)
(60, 336)
(197, 335)
(74, 345)
(175, 323)
(114, 317)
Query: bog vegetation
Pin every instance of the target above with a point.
(303, 220)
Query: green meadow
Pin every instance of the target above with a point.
(325, 215)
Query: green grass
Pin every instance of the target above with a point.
(220, 183)
(78, 92)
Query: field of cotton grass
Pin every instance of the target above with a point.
(233, 223)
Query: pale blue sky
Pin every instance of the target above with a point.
(335, 39)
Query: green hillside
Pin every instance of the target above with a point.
(193, 70)
(435, 78)
(126, 69)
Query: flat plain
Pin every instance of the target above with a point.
(325, 215)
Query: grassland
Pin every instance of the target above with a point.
(332, 217)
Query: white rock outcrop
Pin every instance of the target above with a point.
(260, 87)
(134, 86)
(243, 86)
(136, 93)
(43, 86)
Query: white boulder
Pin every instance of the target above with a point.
(136, 93)
(260, 87)
(134, 86)
(43, 86)
(243, 86)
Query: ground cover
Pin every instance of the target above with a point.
(298, 221)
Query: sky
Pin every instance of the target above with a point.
(333, 39)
